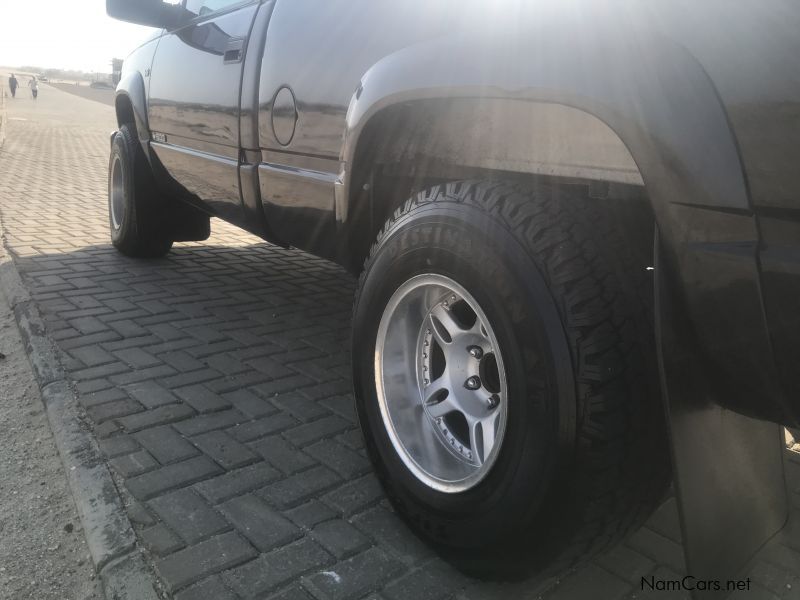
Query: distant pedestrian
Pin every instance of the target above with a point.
(12, 83)
(34, 85)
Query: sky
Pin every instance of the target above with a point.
(64, 34)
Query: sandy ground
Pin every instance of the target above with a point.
(43, 553)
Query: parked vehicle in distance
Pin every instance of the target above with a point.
(498, 175)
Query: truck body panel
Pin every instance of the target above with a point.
(697, 104)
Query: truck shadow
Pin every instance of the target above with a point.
(240, 356)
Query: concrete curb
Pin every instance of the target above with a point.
(109, 534)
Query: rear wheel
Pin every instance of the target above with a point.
(138, 224)
(505, 376)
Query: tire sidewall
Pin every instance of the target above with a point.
(462, 242)
(120, 150)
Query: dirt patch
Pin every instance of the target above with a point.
(43, 553)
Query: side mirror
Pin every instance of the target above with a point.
(153, 13)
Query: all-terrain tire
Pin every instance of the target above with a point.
(137, 219)
(564, 281)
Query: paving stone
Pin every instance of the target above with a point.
(625, 563)
(106, 429)
(340, 538)
(211, 588)
(299, 488)
(434, 581)
(190, 378)
(113, 410)
(390, 532)
(157, 416)
(344, 406)
(144, 487)
(276, 568)
(127, 328)
(300, 406)
(285, 384)
(586, 582)
(282, 455)
(249, 404)
(134, 464)
(143, 374)
(665, 521)
(88, 386)
(355, 496)
(224, 450)
(188, 515)
(355, 576)
(206, 558)
(160, 540)
(150, 394)
(265, 426)
(92, 356)
(89, 399)
(137, 358)
(236, 482)
(265, 528)
(118, 445)
(202, 399)
(295, 592)
(658, 548)
(344, 461)
(181, 361)
(88, 325)
(310, 513)
(311, 432)
(139, 515)
(165, 444)
(209, 422)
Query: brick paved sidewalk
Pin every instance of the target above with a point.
(216, 381)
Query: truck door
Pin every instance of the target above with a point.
(194, 105)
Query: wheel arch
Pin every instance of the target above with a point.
(130, 105)
(659, 106)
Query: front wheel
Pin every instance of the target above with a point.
(137, 222)
(505, 378)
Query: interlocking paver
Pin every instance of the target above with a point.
(234, 483)
(340, 538)
(188, 515)
(230, 351)
(355, 576)
(265, 528)
(224, 450)
(206, 558)
(273, 569)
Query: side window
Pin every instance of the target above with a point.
(199, 8)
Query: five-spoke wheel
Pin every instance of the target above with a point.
(441, 383)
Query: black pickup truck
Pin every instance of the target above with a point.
(566, 216)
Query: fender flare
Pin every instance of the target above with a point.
(132, 87)
(666, 111)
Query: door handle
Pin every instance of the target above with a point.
(233, 51)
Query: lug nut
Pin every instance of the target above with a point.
(475, 352)
(472, 383)
(492, 401)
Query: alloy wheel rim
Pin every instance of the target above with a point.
(117, 198)
(441, 383)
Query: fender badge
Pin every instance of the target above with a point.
(159, 137)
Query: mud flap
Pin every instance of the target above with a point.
(728, 468)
